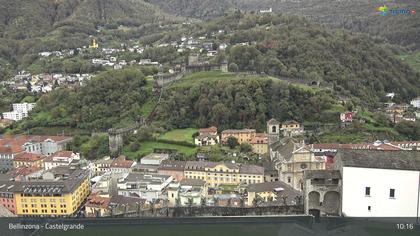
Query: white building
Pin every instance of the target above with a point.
(146, 186)
(154, 158)
(61, 158)
(415, 102)
(379, 183)
(20, 111)
(207, 137)
(23, 107)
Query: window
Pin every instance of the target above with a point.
(289, 179)
(367, 191)
(392, 193)
(369, 208)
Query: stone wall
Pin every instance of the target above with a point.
(217, 211)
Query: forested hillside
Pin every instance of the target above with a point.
(230, 101)
(288, 46)
(357, 15)
(111, 99)
(28, 26)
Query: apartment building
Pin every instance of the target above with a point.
(58, 193)
(216, 174)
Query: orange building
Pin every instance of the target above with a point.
(242, 135)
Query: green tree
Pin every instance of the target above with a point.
(245, 147)
(232, 142)
(233, 67)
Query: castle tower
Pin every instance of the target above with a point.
(224, 66)
(273, 131)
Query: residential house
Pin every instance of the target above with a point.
(122, 165)
(415, 102)
(100, 206)
(272, 193)
(259, 143)
(242, 135)
(346, 117)
(7, 154)
(102, 165)
(105, 183)
(61, 158)
(207, 137)
(189, 192)
(97, 205)
(291, 128)
(28, 159)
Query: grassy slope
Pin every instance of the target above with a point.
(180, 135)
(412, 59)
(147, 147)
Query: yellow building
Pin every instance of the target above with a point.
(242, 135)
(291, 128)
(29, 160)
(260, 143)
(60, 196)
(216, 174)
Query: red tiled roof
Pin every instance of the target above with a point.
(95, 200)
(121, 162)
(260, 138)
(234, 131)
(11, 149)
(62, 154)
(14, 143)
(23, 171)
(212, 129)
(26, 156)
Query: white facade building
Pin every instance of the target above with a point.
(20, 111)
(415, 102)
(379, 183)
(61, 158)
(146, 186)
